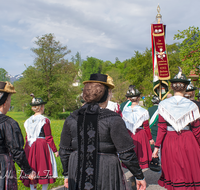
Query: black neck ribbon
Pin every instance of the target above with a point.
(87, 169)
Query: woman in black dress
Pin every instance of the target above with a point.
(92, 141)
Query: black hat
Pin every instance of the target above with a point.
(132, 92)
(36, 101)
(190, 87)
(155, 100)
(101, 78)
(180, 78)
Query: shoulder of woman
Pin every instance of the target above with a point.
(106, 113)
(11, 121)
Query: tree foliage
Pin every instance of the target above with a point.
(139, 71)
(50, 78)
(4, 75)
(189, 49)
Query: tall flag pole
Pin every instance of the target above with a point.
(161, 73)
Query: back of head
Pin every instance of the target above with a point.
(133, 94)
(179, 82)
(96, 88)
(36, 103)
(93, 92)
(155, 100)
(6, 88)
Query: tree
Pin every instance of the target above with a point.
(139, 72)
(174, 60)
(90, 66)
(77, 60)
(190, 49)
(50, 78)
(4, 75)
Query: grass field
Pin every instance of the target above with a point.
(56, 129)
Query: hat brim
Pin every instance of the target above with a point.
(105, 83)
(129, 96)
(38, 104)
(193, 89)
(179, 80)
(9, 91)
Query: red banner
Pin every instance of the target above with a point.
(161, 67)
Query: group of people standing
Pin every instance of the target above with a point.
(101, 137)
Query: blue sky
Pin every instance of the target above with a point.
(103, 29)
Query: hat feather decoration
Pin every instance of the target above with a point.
(179, 73)
(33, 100)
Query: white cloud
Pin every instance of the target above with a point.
(103, 29)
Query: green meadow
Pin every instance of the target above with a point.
(56, 129)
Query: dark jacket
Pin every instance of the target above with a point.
(11, 141)
(113, 139)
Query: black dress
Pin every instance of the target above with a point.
(114, 143)
(11, 148)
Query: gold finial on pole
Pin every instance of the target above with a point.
(158, 16)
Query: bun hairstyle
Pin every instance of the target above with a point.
(93, 92)
(36, 108)
(179, 86)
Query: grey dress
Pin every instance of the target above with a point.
(114, 144)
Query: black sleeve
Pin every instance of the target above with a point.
(119, 135)
(124, 145)
(65, 146)
(130, 160)
(64, 157)
(14, 142)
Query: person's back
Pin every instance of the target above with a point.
(92, 141)
(178, 137)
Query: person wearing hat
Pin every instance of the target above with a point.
(39, 147)
(180, 153)
(127, 102)
(136, 120)
(11, 143)
(93, 140)
(190, 94)
(153, 114)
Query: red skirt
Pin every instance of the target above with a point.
(142, 147)
(180, 158)
(39, 159)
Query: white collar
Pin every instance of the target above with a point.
(134, 117)
(33, 126)
(178, 111)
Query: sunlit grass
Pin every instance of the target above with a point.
(56, 129)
